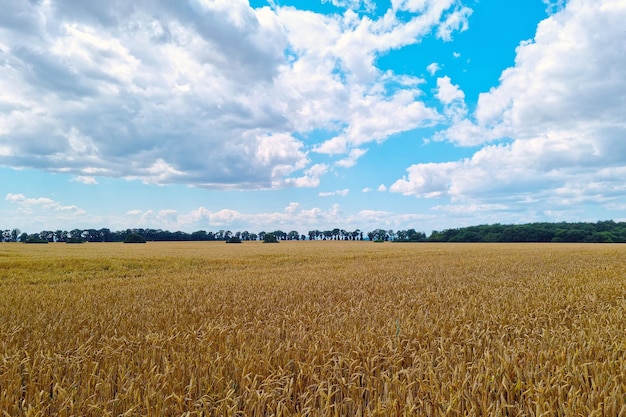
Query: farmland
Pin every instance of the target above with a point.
(312, 329)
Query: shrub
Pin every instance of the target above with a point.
(75, 240)
(234, 239)
(35, 239)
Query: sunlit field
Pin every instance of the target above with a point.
(312, 329)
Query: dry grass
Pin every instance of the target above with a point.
(312, 329)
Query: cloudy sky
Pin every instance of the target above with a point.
(310, 114)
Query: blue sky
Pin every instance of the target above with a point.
(311, 114)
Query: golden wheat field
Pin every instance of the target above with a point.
(312, 329)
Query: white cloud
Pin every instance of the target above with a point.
(426, 180)
(382, 188)
(569, 78)
(85, 180)
(560, 112)
(340, 193)
(294, 216)
(553, 6)
(311, 177)
(433, 68)
(374, 118)
(448, 92)
(351, 159)
(367, 5)
(455, 21)
(453, 99)
(41, 205)
(211, 94)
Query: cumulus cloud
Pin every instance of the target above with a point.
(452, 98)
(367, 5)
(351, 159)
(85, 180)
(433, 68)
(311, 177)
(553, 6)
(294, 216)
(212, 94)
(556, 118)
(448, 92)
(42, 213)
(43, 204)
(374, 118)
(455, 21)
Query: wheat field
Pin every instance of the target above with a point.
(312, 329)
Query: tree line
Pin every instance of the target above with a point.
(599, 232)
(602, 231)
(159, 235)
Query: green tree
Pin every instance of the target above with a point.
(135, 238)
(61, 236)
(270, 238)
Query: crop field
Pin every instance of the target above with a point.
(312, 329)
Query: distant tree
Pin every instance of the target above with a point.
(280, 235)
(35, 238)
(105, 234)
(199, 236)
(380, 235)
(135, 238)
(270, 238)
(61, 236)
(47, 235)
(23, 237)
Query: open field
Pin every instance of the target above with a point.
(312, 328)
